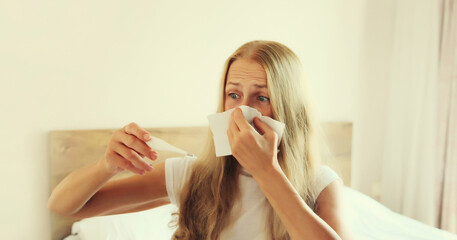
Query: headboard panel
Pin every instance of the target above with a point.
(70, 150)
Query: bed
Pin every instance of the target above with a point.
(70, 150)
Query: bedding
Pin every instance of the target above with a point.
(145, 225)
(368, 219)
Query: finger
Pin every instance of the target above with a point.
(230, 131)
(132, 156)
(240, 121)
(263, 127)
(266, 131)
(126, 164)
(135, 130)
(232, 125)
(136, 144)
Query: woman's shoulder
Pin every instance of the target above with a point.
(324, 176)
(180, 161)
(177, 172)
(178, 166)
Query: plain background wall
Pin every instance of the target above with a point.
(103, 64)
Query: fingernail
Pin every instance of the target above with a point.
(147, 137)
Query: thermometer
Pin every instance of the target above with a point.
(159, 144)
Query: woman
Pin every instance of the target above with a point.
(262, 191)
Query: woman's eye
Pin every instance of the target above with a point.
(234, 95)
(263, 99)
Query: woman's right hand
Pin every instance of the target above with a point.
(126, 150)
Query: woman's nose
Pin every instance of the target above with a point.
(246, 102)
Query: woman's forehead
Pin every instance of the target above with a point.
(243, 70)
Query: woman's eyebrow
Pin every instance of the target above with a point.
(260, 86)
(230, 83)
(256, 85)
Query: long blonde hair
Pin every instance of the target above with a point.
(207, 198)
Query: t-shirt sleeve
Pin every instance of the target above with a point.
(325, 176)
(177, 173)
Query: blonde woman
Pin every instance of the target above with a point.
(262, 191)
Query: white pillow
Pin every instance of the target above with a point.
(145, 225)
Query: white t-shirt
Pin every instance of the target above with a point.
(249, 216)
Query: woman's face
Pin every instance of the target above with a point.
(247, 85)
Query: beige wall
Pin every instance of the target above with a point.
(103, 64)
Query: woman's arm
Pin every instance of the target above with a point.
(136, 193)
(76, 189)
(330, 207)
(258, 154)
(80, 197)
(87, 192)
(298, 218)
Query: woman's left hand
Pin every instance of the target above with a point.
(257, 153)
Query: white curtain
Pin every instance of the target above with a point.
(408, 178)
(447, 119)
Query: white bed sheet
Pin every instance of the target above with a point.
(145, 225)
(368, 219)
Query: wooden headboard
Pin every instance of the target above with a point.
(70, 150)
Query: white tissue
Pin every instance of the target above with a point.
(219, 123)
(159, 144)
